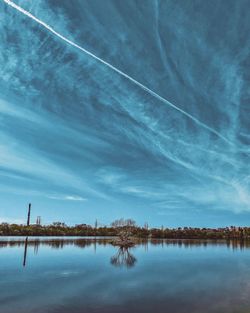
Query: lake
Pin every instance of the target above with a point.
(90, 275)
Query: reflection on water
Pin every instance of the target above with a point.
(47, 274)
(25, 251)
(82, 242)
(123, 257)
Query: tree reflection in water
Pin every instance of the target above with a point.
(123, 257)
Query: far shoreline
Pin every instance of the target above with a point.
(128, 227)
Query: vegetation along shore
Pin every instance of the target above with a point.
(118, 226)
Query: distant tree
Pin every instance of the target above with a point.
(59, 224)
(117, 223)
(129, 222)
(123, 223)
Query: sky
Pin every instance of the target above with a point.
(134, 109)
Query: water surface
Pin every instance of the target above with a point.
(90, 275)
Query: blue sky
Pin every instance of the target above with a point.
(81, 141)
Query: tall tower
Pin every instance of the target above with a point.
(28, 219)
(38, 221)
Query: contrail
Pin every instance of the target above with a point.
(148, 90)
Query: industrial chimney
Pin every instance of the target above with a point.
(28, 219)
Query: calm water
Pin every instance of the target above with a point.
(86, 275)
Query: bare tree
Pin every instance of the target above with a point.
(124, 223)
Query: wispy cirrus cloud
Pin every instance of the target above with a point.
(67, 198)
(74, 127)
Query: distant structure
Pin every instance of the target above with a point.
(28, 219)
(38, 221)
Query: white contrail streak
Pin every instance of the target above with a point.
(154, 94)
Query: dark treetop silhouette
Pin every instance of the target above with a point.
(61, 229)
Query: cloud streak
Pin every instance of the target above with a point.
(151, 92)
(67, 198)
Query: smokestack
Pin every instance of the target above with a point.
(28, 220)
(38, 221)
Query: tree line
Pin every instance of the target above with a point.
(61, 229)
